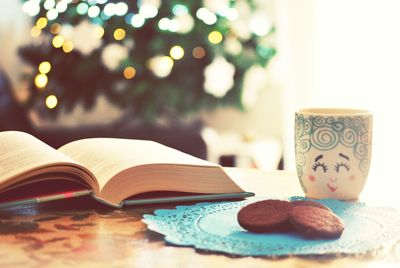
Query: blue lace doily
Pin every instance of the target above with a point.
(214, 227)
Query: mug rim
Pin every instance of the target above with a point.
(333, 111)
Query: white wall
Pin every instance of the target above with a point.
(345, 53)
(295, 33)
(357, 64)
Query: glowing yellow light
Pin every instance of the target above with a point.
(44, 67)
(166, 63)
(176, 52)
(99, 32)
(55, 28)
(198, 52)
(129, 72)
(215, 37)
(41, 80)
(51, 101)
(41, 22)
(119, 34)
(161, 66)
(68, 46)
(58, 41)
(35, 31)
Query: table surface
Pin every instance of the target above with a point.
(81, 232)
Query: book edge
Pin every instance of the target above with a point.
(143, 170)
(197, 197)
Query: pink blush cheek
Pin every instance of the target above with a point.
(352, 177)
(311, 178)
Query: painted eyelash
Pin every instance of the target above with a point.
(342, 164)
(318, 164)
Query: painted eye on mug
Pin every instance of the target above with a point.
(322, 166)
(342, 166)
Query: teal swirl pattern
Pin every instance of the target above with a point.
(325, 133)
(323, 138)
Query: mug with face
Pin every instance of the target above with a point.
(333, 151)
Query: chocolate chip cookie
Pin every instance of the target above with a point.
(315, 222)
(265, 216)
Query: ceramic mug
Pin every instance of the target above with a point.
(333, 151)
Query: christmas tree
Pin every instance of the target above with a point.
(151, 57)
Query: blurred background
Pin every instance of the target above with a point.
(217, 79)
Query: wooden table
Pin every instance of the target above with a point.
(84, 233)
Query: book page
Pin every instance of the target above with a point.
(105, 157)
(21, 152)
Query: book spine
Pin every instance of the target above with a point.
(202, 197)
(43, 199)
(106, 202)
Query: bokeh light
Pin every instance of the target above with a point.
(206, 16)
(148, 11)
(44, 67)
(49, 4)
(55, 28)
(58, 41)
(52, 14)
(163, 24)
(68, 46)
(260, 25)
(99, 32)
(120, 9)
(51, 101)
(61, 6)
(180, 10)
(215, 37)
(176, 52)
(93, 11)
(41, 23)
(174, 25)
(119, 34)
(198, 52)
(230, 13)
(32, 8)
(128, 18)
(103, 16)
(129, 72)
(161, 66)
(265, 52)
(41, 80)
(82, 8)
(35, 31)
(109, 9)
(137, 21)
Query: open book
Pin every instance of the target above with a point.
(114, 171)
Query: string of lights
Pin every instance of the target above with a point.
(150, 55)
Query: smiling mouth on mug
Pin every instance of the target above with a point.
(331, 188)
